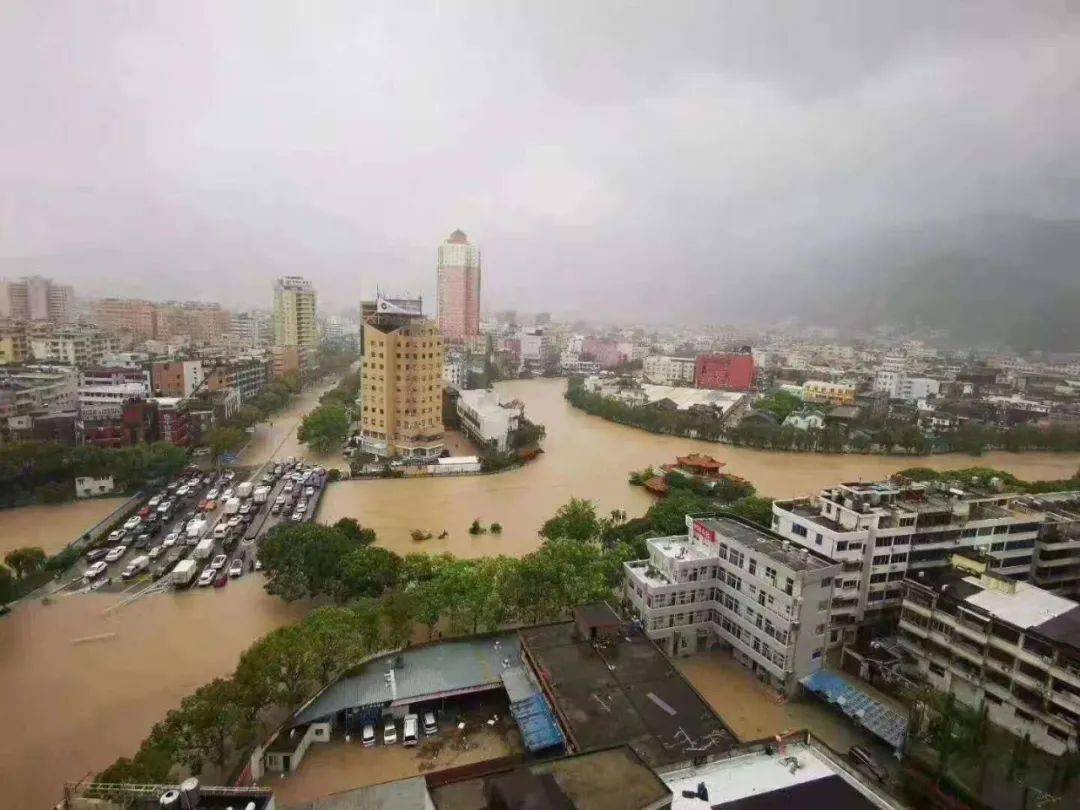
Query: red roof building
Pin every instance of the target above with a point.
(724, 372)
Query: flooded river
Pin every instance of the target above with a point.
(587, 457)
(72, 708)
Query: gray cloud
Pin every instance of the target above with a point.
(629, 159)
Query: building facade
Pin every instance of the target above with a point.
(203, 323)
(294, 312)
(899, 385)
(70, 345)
(401, 389)
(131, 316)
(881, 532)
(992, 641)
(34, 298)
(823, 392)
(729, 583)
(725, 372)
(663, 369)
(176, 378)
(458, 270)
(488, 421)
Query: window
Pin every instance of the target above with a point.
(882, 542)
(881, 559)
(842, 545)
(799, 529)
(818, 538)
(752, 567)
(816, 654)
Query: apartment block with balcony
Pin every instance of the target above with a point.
(246, 375)
(992, 641)
(878, 532)
(1056, 565)
(823, 392)
(729, 583)
(662, 369)
(69, 345)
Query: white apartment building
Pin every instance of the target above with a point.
(729, 583)
(992, 641)
(486, 419)
(882, 532)
(72, 345)
(898, 385)
(664, 369)
(1056, 565)
(107, 401)
(39, 389)
(34, 298)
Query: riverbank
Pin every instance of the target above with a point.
(860, 440)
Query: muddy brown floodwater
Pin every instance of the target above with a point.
(72, 708)
(51, 527)
(588, 457)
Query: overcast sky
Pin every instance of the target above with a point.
(635, 160)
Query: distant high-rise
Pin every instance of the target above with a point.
(401, 389)
(459, 288)
(34, 298)
(294, 312)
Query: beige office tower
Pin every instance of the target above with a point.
(294, 312)
(401, 414)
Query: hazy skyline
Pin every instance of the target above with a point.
(622, 160)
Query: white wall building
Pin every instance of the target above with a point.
(728, 583)
(487, 420)
(667, 370)
(898, 385)
(879, 532)
(995, 642)
(87, 486)
(105, 401)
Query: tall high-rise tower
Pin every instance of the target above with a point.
(459, 287)
(294, 312)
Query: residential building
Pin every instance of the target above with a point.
(401, 391)
(458, 270)
(534, 349)
(487, 420)
(137, 423)
(14, 343)
(285, 360)
(173, 422)
(247, 375)
(107, 401)
(1056, 565)
(664, 369)
(823, 392)
(900, 385)
(805, 419)
(725, 372)
(731, 584)
(34, 298)
(606, 353)
(294, 313)
(70, 345)
(131, 316)
(879, 532)
(250, 329)
(997, 643)
(455, 370)
(40, 388)
(87, 487)
(176, 378)
(204, 323)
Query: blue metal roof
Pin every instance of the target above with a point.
(860, 706)
(538, 727)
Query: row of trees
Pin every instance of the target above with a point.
(984, 475)
(696, 423)
(326, 427)
(45, 471)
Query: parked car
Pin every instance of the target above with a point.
(389, 734)
(245, 508)
(212, 494)
(156, 552)
(95, 571)
(410, 730)
(154, 502)
(95, 554)
(171, 539)
(182, 491)
(117, 535)
(309, 491)
(430, 726)
(367, 736)
(288, 487)
(221, 579)
(220, 531)
(297, 516)
(115, 554)
(132, 523)
(206, 578)
(236, 567)
(142, 541)
(233, 522)
(219, 562)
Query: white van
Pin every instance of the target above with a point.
(221, 530)
(409, 736)
(136, 567)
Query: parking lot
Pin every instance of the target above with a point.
(201, 530)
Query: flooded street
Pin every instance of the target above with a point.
(587, 457)
(51, 527)
(72, 708)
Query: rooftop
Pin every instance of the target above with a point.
(685, 398)
(800, 777)
(610, 779)
(623, 692)
(432, 670)
(763, 541)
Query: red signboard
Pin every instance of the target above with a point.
(703, 533)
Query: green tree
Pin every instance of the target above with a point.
(368, 571)
(753, 508)
(209, 724)
(282, 668)
(575, 520)
(351, 528)
(225, 440)
(25, 561)
(325, 428)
